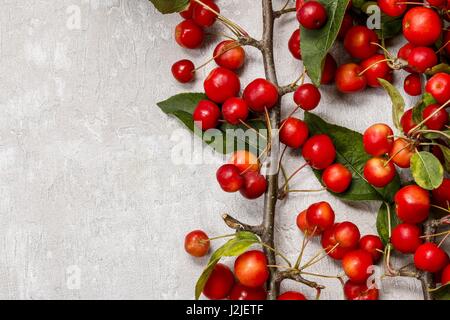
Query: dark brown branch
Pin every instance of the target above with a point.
(248, 41)
(270, 199)
(279, 13)
(296, 276)
(266, 229)
(287, 89)
(239, 226)
(426, 278)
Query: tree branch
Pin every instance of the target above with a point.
(266, 229)
(270, 199)
(239, 226)
(287, 89)
(249, 41)
(279, 13)
(296, 276)
(426, 278)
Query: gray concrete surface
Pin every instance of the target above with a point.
(91, 204)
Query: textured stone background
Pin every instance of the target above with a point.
(88, 188)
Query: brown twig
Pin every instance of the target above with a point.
(426, 278)
(287, 89)
(270, 199)
(281, 12)
(239, 226)
(266, 229)
(296, 276)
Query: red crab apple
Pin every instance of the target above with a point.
(413, 85)
(429, 257)
(445, 278)
(294, 132)
(245, 161)
(401, 153)
(187, 12)
(319, 151)
(349, 78)
(437, 3)
(303, 225)
(379, 172)
(235, 110)
(291, 295)
(251, 269)
(229, 178)
(229, 54)
(438, 117)
(378, 139)
(447, 42)
(294, 45)
(359, 42)
(437, 152)
(393, 8)
(406, 238)
(373, 245)
(312, 15)
(441, 195)
(337, 178)
(204, 16)
(261, 94)
(255, 185)
(347, 234)
(219, 283)
(359, 291)
(412, 204)
(188, 34)
(347, 24)
(183, 71)
(299, 4)
(422, 26)
(331, 246)
(307, 96)
(422, 58)
(439, 87)
(241, 292)
(374, 68)
(407, 121)
(221, 84)
(320, 215)
(206, 115)
(197, 243)
(329, 70)
(404, 53)
(356, 264)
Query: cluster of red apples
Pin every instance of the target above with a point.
(422, 27)
(342, 241)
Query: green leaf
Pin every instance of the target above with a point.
(170, 6)
(182, 102)
(426, 169)
(182, 107)
(427, 99)
(443, 67)
(383, 221)
(315, 44)
(446, 152)
(442, 292)
(417, 111)
(234, 247)
(390, 27)
(398, 103)
(437, 135)
(350, 152)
